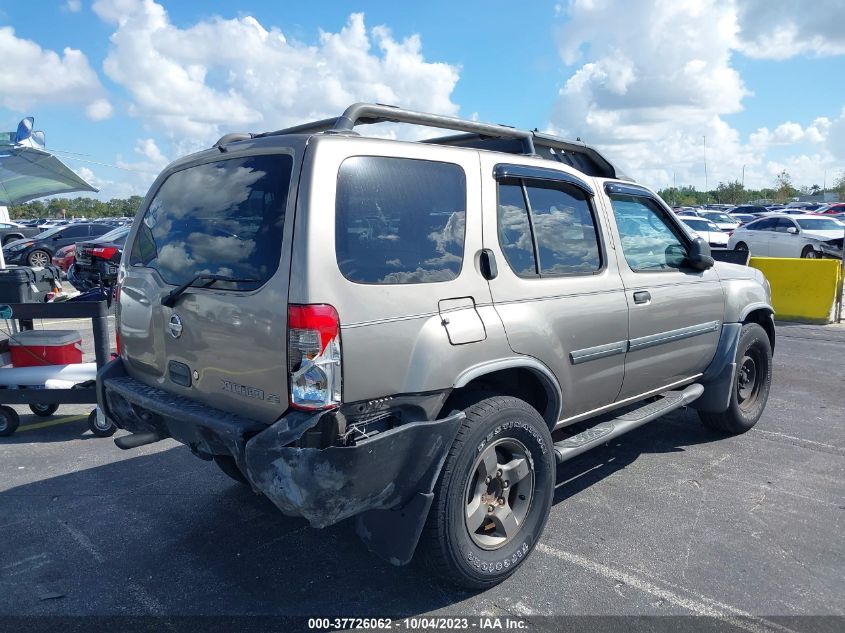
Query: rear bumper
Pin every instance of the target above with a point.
(384, 471)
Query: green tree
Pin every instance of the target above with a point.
(839, 186)
(784, 190)
(731, 192)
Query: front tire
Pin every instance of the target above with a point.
(809, 253)
(741, 246)
(38, 259)
(493, 496)
(751, 386)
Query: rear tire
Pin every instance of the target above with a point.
(751, 386)
(9, 421)
(482, 527)
(229, 466)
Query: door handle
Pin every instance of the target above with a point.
(642, 296)
(487, 263)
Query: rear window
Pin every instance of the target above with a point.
(222, 218)
(399, 220)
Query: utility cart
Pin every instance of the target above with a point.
(26, 385)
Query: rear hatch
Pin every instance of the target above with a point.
(223, 340)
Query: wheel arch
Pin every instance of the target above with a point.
(763, 315)
(525, 378)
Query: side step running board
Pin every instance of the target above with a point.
(606, 431)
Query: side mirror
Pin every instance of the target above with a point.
(699, 257)
(792, 230)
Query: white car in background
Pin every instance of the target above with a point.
(724, 221)
(809, 236)
(706, 230)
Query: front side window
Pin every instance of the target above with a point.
(399, 220)
(649, 242)
(222, 218)
(547, 229)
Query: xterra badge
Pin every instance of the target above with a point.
(247, 391)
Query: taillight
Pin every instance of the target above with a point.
(104, 252)
(314, 357)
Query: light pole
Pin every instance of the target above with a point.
(706, 188)
(742, 193)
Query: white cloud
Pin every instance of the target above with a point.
(779, 29)
(650, 79)
(32, 76)
(222, 74)
(74, 6)
(99, 110)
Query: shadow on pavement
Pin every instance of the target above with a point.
(165, 533)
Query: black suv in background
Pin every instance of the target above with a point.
(96, 261)
(38, 250)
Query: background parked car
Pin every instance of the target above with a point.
(39, 249)
(722, 220)
(63, 258)
(11, 231)
(97, 260)
(809, 236)
(707, 230)
(743, 218)
(832, 209)
(749, 208)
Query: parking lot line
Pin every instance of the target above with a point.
(43, 425)
(700, 605)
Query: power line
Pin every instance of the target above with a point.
(94, 162)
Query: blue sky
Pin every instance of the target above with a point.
(132, 84)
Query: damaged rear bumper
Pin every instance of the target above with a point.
(392, 469)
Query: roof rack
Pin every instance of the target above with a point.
(369, 113)
(501, 138)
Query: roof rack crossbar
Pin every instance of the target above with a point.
(366, 113)
(370, 113)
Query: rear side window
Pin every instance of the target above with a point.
(399, 220)
(222, 218)
(547, 229)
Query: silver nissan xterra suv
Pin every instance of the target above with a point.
(395, 330)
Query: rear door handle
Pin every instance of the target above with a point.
(642, 296)
(487, 262)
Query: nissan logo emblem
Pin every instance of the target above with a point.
(175, 326)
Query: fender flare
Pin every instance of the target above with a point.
(539, 369)
(753, 308)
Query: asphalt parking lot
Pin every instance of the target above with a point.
(669, 519)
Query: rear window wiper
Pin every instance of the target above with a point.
(169, 300)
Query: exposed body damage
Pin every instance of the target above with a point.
(364, 474)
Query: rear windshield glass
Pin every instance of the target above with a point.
(400, 220)
(222, 218)
(698, 225)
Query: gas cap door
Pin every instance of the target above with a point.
(461, 320)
